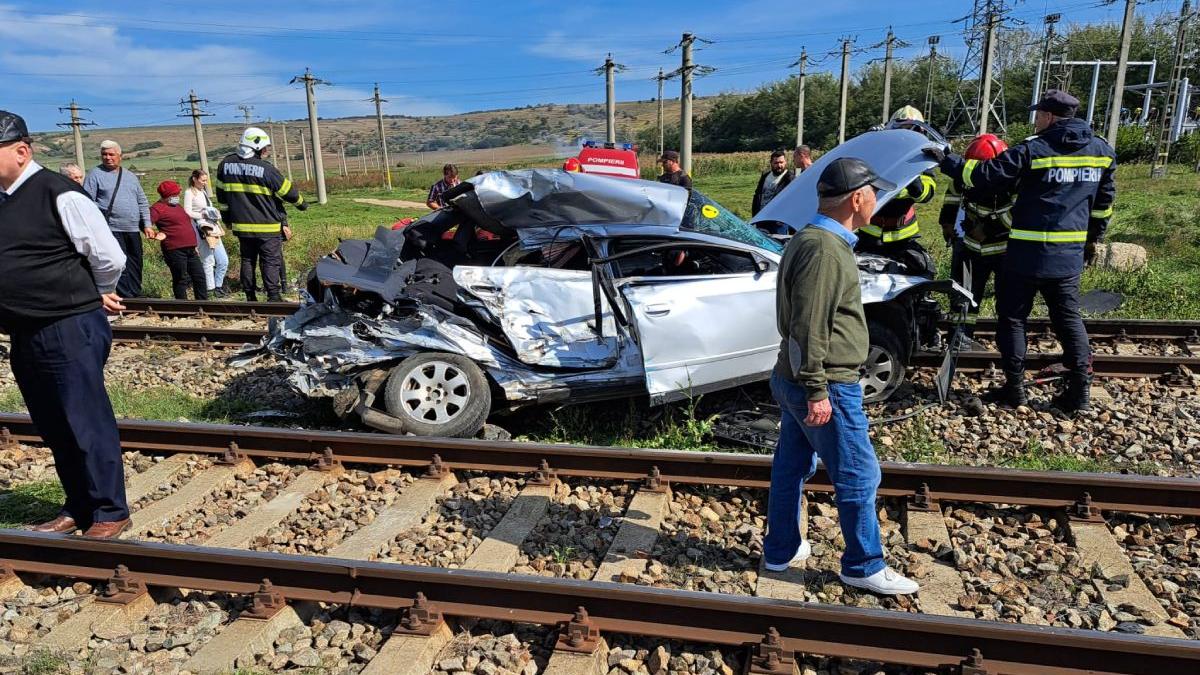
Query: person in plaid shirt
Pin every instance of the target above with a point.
(449, 180)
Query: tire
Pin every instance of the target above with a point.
(886, 363)
(438, 394)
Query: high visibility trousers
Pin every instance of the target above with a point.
(982, 268)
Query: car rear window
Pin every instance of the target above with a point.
(707, 216)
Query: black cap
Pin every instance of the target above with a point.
(12, 128)
(671, 155)
(847, 174)
(1058, 103)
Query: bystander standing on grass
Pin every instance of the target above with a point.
(178, 238)
(207, 220)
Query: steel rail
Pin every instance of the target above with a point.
(849, 632)
(186, 335)
(214, 308)
(1106, 365)
(1105, 329)
(1052, 489)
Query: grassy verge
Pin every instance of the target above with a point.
(159, 403)
(29, 503)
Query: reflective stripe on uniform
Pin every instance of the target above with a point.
(968, 169)
(1072, 162)
(256, 228)
(1066, 237)
(247, 187)
(927, 186)
(1103, 213)
(996, 248)
(889, 236)
(284, 189)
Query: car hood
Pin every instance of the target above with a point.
(894, 154)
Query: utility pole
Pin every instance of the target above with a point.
(887, 75)
(844, 90)
(989, 55)
(387, 165)
(76, 125)
(310, 83)
(803, 63)
(304, 152)
(660, 78)
(1158, 168)
(687, 70)
(287, 153)
(342, 152)
(248, 113)
(1047, 45)
(1114, 113)
(933, 43)
(610, 97)
(194, 112)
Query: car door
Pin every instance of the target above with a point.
(703, 330)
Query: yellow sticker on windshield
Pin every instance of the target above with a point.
(709, 211)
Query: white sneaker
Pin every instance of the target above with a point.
(802, 554)
(886, 581)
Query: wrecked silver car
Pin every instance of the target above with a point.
(543, 286)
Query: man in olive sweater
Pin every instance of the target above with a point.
(824, 329)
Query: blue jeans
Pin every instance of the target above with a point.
(845, 450)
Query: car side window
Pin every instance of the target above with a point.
(684, 260)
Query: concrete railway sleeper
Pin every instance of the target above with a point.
(585, 610)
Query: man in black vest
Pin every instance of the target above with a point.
(59, 266)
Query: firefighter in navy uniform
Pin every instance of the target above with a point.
(893, 231)
(251, 189)
(1063, 180)
(975, 225)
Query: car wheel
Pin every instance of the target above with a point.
(438, 394)
(885, 367)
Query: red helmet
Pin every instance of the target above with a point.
(985, 146)
(572, 164)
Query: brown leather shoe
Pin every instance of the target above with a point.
(59, 524)
(108, 530)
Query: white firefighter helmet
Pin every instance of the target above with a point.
(253, 140)
(908, 113)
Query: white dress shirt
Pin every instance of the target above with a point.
(88, 231)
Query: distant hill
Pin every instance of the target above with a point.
(504, 135)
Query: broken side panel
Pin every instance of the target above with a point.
(548, 315)
(701, 334)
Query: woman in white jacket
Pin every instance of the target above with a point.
(209, 232)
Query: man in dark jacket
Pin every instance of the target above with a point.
(251, 189)
(672, 173)
(1063, 179)
(772, 182)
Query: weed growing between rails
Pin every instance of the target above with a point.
(623, 423)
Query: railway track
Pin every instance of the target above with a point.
(1109, 365)
(941, 638)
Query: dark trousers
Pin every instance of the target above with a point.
(130, 283)
(1014, 301)
(59, 367)
(982, 267)
(267, 253)
(186, 270)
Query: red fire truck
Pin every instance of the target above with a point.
(619, 160)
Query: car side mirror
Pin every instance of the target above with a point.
(761, 265)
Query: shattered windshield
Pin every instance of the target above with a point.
(707, 216)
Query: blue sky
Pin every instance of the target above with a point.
(132, 61)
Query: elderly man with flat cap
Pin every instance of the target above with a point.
(59, 266)
(820, 317)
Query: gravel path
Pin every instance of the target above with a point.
(190, 468)
(33, 612)
(329, 515)
(573, 537)
(138, 319)
(336, 640)
(1165, 551)
(496, 648)
(463, 519)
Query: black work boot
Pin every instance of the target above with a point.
(1011, 393)
(1076, 395)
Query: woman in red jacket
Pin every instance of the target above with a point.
(178, 239)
